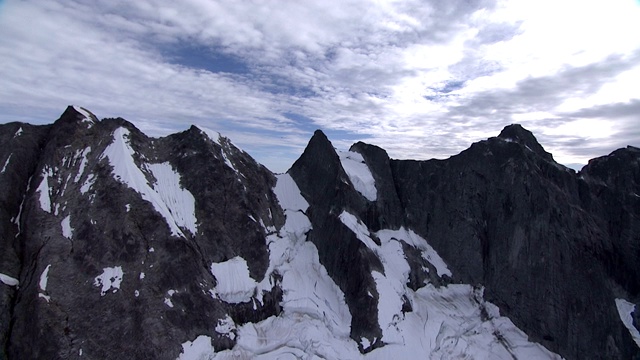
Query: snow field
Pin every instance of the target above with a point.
(359, 174)
(175, 204)
(234, 283)
(444, 323)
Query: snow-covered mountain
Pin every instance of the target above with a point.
(120, 246)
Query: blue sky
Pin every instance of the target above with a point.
(422, 79)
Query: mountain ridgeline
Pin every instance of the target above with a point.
(116, 245)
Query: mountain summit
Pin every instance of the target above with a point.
(121, 246)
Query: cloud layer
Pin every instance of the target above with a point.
(422, 79)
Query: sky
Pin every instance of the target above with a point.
(421, 79)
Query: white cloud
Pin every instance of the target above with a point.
(420, 78)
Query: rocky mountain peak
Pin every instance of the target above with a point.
(184, 247)
(518, 134)
(74, 113)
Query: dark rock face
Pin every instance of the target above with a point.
(326, 186)
(85, 222)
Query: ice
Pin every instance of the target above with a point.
(111, 278)
(8, 280)
(44, 278)
(6, 163)
(234, 283)
(198, 349)
(174, 203)
(625, 309)
(45, 190)
(359, 174)
(67, 230)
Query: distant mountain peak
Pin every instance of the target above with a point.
(75, 113)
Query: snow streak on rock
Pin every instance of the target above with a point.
(625, 309)
(83, 163)
(359, 174)
(174, 203)
(5, 164)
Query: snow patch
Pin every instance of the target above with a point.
(141, 275)
(67, 230)
(136, 293)
(44, 278)
(18, 133)
(87, 184)
(198, 349)
(45, 190)
(625, 309)
(175, 204)
(111, 278)
(234, 283)
(359, 174)
(8, 280)
(358, 228)
(167, 301)
(46, 297)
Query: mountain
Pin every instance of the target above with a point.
(116, 245)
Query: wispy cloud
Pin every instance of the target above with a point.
(420, 78)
